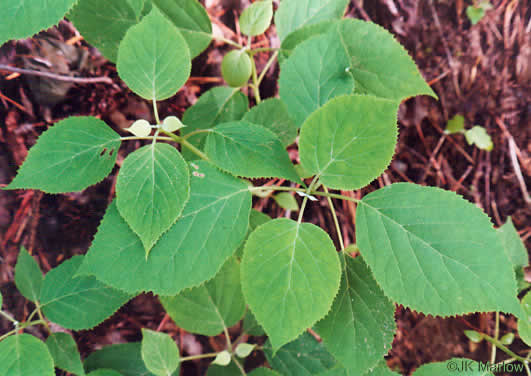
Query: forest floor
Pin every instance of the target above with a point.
(482, 72)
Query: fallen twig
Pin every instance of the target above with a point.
(58, 77)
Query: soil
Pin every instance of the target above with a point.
(481, 72)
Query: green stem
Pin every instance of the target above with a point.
(228, 41)
(41, 317)
(129, 138)
(156, 111)
(305, 200)
(256, 84)
(496, 335)
(263, 49)
(187, 145)
(8, 317)
(199, 131)
(503, 348)
(200, 356)
(242, 370)
(267, 66)
(336, 222)
(22, 327)
(312, 193)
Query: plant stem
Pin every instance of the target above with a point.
(504, 348)
(496, 334)
(22, 327)
(312, 193)
(41, 317)
(263, 49)
(256, 84)
(305, 200)
(195, 132)
(242, 370)
(225, 40)
(267, 66)
(186, 144)
(200, 356)
(129, 138)
(156, 111)
(8, 317)
(336, 222)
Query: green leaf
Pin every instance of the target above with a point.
(350, 141)
(292, 15)
(286, 201)
(262, 371)
(22, 19)
(236, 68)
(313, 74)
(222, 358)
(25, 355)
(212, 226)
(70, 156)
(473, 336)
(273, 115)
(104, 24)
(476, 12)
(218, 105)
(256, 219)
(211, 307)
(524, 323)
(160, 353)
(28, 276)
(456, 124)
(125, 358)
(191, 19)
(256, 18)
(249, 150)
(454, 366)
(244, 350)
(65, 354)
(302, 357)
(300, 35)
(360, 327)
(434, 252)
(478, 136)
(152, 189)
(77, 302)
(381, 370)
(229, 370)
(251, 326)
(104, 372)
(513, 245)
(294, 285)
(153, 58)
(140, 128)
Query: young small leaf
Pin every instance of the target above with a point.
(218, 105)
(159, 353)
(153, 58)
(65, 354)
(350, 141)
(474, 336)
(477, 11)
(286, 201)
(124, 358)
(209, 308)
(273, 115)
(70, 156)
(104, 26)
(22, 19)
(455, 124)
(292, 15)
(360, 327)
(524, 323)
(152, 189)
(192, 251)
(513, 245)
(140, 128)
(460, 366)
(23, 355)
(222, 359)
(172, 124)
(256, 18)
(249, 150)
(507, 339)
(236, 68)
(405, 227)
(478, 136)
(290, 275)
(304, 356)
(77, 302)
(28, 276)
(191, 19)
(244, 350)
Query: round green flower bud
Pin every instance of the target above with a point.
(236, 68)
